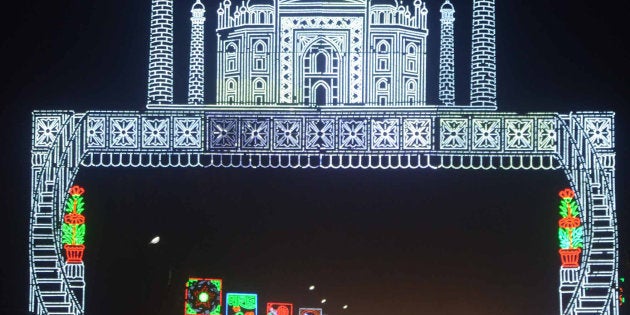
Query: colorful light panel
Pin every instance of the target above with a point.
(241, 304)
(279, 308)
(203, 296)
(311, 311)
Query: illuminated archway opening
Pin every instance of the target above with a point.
(411, 243)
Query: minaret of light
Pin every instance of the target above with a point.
(483, 81)
(161, 53)
(196, 71)
(447, 54)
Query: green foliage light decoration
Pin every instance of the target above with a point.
(570, 233)
(73, 227)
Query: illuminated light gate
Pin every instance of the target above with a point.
(581, 144)
(340, 137)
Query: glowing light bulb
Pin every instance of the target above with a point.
(323, 301)
(203, 297)
(311, 288)
(345, 307)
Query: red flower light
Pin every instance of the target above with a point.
(569, 222)
(567, 193)
(76, 190)
(74, 218)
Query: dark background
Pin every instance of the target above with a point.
(381, 241)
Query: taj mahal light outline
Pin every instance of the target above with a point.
(337, 84)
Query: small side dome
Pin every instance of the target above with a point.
(198, 5)
(447, 6)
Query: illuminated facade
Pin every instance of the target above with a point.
(310, 59)
(296, 53)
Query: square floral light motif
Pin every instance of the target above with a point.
(454, 133)
(486, 134)
(223, 133)
(287, 134)
(95, 133)
(46, 130)
(385, 134)
(255, 133)
(123, 132)
(599, 132)
(320, 133)
(547, 135)
(187, 132)
(353, 134)
(417, 133)
(519, 134)
(155, 132)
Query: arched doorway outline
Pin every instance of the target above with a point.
(311, 74)
(325, 88)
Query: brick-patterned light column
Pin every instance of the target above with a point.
(447, 54)
(161, 53)
(483, 83)
(196, 71)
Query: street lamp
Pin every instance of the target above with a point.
(155, 240)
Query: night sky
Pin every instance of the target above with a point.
(381, 241)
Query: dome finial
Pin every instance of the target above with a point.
(198, 5)
(447, 5)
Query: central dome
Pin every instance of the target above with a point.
(314, 4)
(323, 1)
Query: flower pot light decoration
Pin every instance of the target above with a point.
(570, 231)
(73, 227)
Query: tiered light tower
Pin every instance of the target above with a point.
(483, 80)
(447, 54)
(197, 48)
(161, 53)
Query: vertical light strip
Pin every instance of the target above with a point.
(160, 81)
(447, 54)
(197, 48)
(483, 81)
